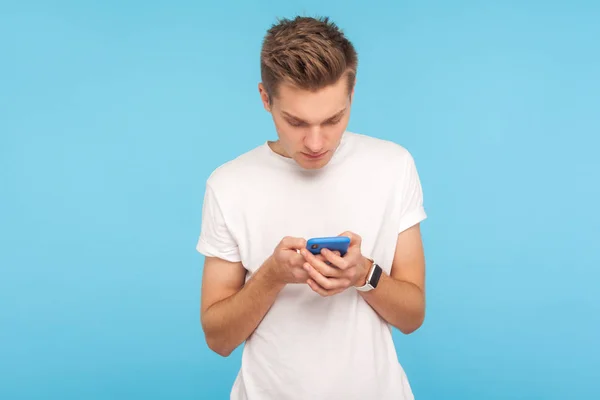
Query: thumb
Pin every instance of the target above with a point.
(293, 243)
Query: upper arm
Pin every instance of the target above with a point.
(409, 258)
(223, 273)
(220, 279)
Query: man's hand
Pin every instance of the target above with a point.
(231, 308)
(285, 264)
(343, 272)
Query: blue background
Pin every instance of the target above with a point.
(112, 116)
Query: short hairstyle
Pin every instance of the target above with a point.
(309, 53)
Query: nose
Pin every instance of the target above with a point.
(314, 140)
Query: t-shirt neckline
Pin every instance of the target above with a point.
(342, 147)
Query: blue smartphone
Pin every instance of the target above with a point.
(333, 243)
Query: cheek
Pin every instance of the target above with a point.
(289, 136)
(281, 129)
(334, 133)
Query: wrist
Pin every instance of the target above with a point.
(269, 273)
(367, 264)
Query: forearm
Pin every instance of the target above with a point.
(229, 322)
(400, 303)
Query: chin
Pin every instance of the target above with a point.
(312, 165)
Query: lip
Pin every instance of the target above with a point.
(314, 157)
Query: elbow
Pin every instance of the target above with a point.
(213, 339)
(413, 325)
(218, 347)
(408, 329)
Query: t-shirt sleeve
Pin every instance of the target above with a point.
(412, 211)
(215, 238)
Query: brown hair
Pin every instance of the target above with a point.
(309, 53)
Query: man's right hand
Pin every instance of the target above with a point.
(231, 307)
(286, 264)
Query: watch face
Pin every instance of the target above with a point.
(376, 275)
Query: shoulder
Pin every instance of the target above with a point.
(235, 170)
(381, 151)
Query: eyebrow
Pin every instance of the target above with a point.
(334, 116)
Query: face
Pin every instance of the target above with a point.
(309, 124)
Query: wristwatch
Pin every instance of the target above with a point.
(372, 278)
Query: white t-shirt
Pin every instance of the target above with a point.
(309, 346)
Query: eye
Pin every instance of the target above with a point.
(333, 121)
(295, 123)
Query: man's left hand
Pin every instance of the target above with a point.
(344, 272)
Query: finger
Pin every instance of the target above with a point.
(335, 259)
(320, 257)
(293, 243)
(323, 292)
(297, 259)
(355, 240)
(324, 282)
(318, 262)
(300, 275)
(316, 276)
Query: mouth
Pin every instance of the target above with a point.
(314, 156)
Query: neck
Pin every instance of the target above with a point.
(276, 147)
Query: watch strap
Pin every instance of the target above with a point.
(368, 286)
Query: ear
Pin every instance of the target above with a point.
(264, 97)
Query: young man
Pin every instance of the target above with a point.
(314, 327)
